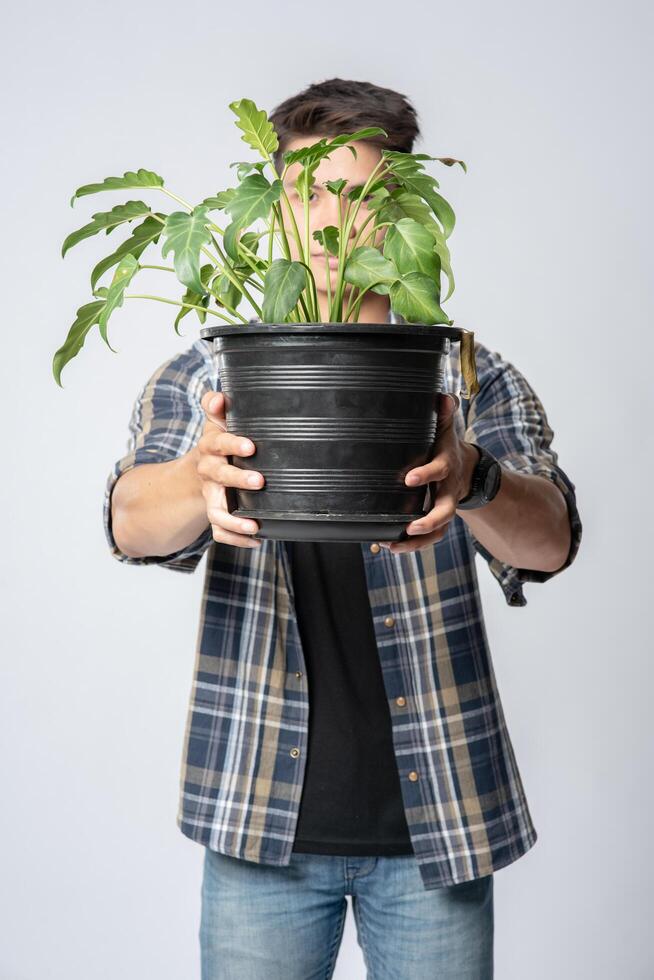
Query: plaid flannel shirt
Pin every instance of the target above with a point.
(246, 735)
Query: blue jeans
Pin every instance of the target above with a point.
(272, 922)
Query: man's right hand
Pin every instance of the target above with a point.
(215, 473)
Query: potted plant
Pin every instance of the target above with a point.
(338, 410)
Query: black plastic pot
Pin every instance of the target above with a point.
(339, 413)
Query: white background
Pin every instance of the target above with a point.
(550, 106)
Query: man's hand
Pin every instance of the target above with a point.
(216, 473)
(451, 468)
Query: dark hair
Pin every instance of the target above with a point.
(340, 105)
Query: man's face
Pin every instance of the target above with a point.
(323, 205)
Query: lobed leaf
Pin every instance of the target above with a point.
(219, 200)
(258, 131)
(131, 178)
(253, 199)
(185, 234)
(87, 316)
(423, 185)
(146, 233)
(125, 272)
(106, 221)
(197, 299)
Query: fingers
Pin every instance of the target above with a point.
(438, 518)
(420, 541)
(221, 443)
(225, 527)
(217, 469)
(213, 403)
(435, 470)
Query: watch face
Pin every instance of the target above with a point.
(492, 480)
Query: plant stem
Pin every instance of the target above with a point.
(164, 268)
(180, 200)
(226, 270)
(344, 232)
(172, 302)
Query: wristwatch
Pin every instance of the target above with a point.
(485, 482)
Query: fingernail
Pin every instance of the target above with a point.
(415, 529)
(246, 447)
(254, 480)
(413, 478)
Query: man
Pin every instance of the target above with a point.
(345, 734)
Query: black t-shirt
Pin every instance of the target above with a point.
(351, 801)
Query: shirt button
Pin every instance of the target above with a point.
(295, 752)
(413, 775)
(298, 673)
(400, 701)
(374, 547)
(389, 621)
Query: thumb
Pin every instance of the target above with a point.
(213, 403)
(449, 403)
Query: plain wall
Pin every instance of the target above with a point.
(549, 105)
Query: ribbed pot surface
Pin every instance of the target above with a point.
(339, 413)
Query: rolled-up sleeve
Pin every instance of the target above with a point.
(166, 422)
(507, 418)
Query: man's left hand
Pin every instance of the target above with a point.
(451, 468)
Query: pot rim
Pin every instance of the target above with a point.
(407, 329)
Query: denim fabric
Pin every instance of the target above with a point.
(265, 922)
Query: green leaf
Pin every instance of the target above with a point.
(360, 134)
(125, 272)
(410, 246)
(306, 154)
(367, 266)
(405, 164)
(253, 199)
(415, 297)
(259, 132)
(443, 253)
(304, 181)
(335, 186)
(146, 233)
(328, 238)
(106, 221)
(87, 316)
(185, 235)
(401, 204)
(423, 185)
(245, 166)
(131, 178)
(219, 200)
(228, 292)
(196, 298)
(230, 240)
(249, 240)
(282, 285)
